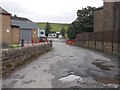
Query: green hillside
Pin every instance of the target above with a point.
(56, 27)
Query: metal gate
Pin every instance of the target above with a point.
(26, 35)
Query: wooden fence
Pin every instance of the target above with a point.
(105, 36)
(106, 41)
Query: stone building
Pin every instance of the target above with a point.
(98, 19)
(27, 29)
(13, 29)
(105, 36)
(106, 17)
(5, 28)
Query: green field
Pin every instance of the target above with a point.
(56, 27)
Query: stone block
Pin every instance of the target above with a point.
(92, 44)
(108, 47)
(116, 48)
(86, 43)
(99, 45)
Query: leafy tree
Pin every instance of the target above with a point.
(83, 22)
(62, 31)
(71, 31)
(47, 29)
(85, 19)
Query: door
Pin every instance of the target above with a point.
(26, 35)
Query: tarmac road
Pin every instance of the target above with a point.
(52, 69)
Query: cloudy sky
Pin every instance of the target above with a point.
(59, 11)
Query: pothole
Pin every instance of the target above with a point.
(105, 60)
(70, 78)
(71, 56)
(108, 80)
(102, 67)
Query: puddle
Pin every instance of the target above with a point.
(112, 85)
(105, 60)
(71, 56)
(108, 80)
(34, 67)
(102, 67)
(70, 78)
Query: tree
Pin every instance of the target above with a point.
(47, 29)
(83, 22)
(85, 19)
(71, 31)
(62, 31)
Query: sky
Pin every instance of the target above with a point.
(56, 11)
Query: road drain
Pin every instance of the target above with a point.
(108, 80)
(101, 66)
(70, 78)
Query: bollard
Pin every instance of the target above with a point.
(40, 42)
(22, 42)
(51, 41)
(47, 41)
(28, 42)
(32, 42)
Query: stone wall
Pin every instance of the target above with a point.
(14, 57)
(92, 44)
(99, 45)
(86, 43)
(116, 48)
(118, 16)
(107, 47)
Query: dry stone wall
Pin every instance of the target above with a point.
(15, 57)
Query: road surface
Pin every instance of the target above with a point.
(66, 67)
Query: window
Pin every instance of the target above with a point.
(41, 32)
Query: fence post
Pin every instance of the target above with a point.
(22, 43)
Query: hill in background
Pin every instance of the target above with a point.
(56, 27)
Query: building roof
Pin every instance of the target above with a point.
(24, 23)
(2, 11)
(19, 18)
(99, 8)
(15, 26)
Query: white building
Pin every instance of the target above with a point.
(41, 33)
(60, 36)
(52, 35)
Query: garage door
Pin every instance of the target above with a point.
(26, 35)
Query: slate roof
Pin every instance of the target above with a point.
(99, 8)
(24, 23)
(2, 11)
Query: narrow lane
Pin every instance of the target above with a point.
(64, 60)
